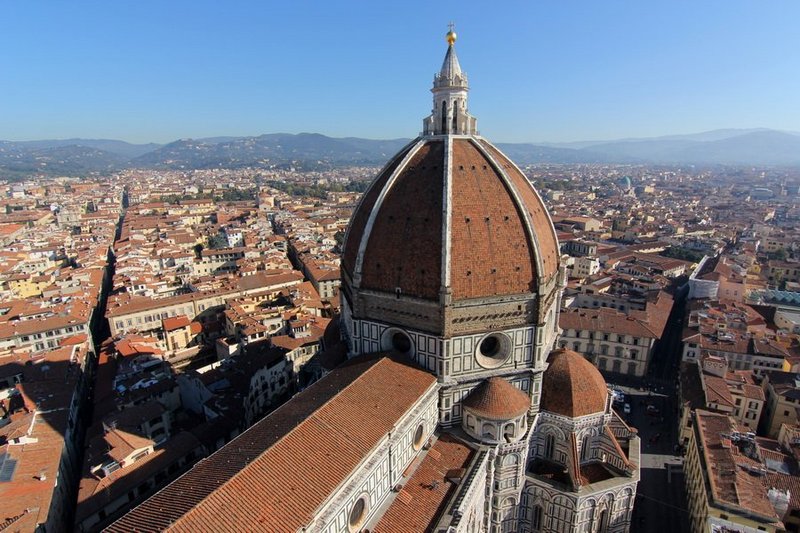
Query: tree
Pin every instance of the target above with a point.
(778, 255)
(677, 252)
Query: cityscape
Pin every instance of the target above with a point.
(327, 332)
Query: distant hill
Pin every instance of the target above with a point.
(61, 160)
(121, 148)
(720, 147)
(530, 154)
(316, 151)
(271, 149)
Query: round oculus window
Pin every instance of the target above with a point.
(401, 342)
(357, 514)
(397, 340)
(493, 350)
(419, 437)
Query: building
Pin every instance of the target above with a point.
(710, 385)
(585, 266)
(731, 484)
(41, 431)
(718, 278)
(584, 458)
(446, 415)
(617, 341)
(735, 332)
(782, 391)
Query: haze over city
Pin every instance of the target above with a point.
(155, 72)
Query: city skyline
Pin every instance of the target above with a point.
(153, 73)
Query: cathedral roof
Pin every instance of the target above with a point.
(275, 475)
(572, 386)
(497, 399)
(419, 503)
(451, 214)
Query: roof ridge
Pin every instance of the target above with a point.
(373, 363)
(617, 446)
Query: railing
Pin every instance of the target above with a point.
(468, 488)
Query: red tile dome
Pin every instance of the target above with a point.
(572, 386)
(450, 213)
(497, 399)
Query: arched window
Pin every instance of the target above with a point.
(510, 431)
(602, 523)
(585, 448)
(444, 117)
(536, 518)
(488, 431)
(511, 459)
(549, 445)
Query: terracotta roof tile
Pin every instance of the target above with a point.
(490, 250)
(572, 386)
(726, 467)
(497, 399)
(175, 322)
(405, 246)
(355, 230)
(424, 496)
(276, 474)
(542, 226)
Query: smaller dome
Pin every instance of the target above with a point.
(497, 399)
(572, 386)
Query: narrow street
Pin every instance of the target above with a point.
(660, 498)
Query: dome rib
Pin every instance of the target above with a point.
(572, 386)
(541, 224)
(358, 223)
(451, 212)
(404, 245)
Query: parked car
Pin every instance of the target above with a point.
(652, 410)
(618, 396)
(627, 409)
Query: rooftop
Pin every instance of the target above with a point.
(278, 472)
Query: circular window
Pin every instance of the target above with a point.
(419, 436)
(493, 350)
(489, 347)
(401, 342)
(357, 514)
(398, 341)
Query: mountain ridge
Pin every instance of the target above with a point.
(753, 146)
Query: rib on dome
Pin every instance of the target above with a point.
(572, 386)
(497, 399)
(451, 215)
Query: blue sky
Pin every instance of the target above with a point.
(539, 71)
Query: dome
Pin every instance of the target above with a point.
(497, 399)
(572, 386)
(450, 215)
